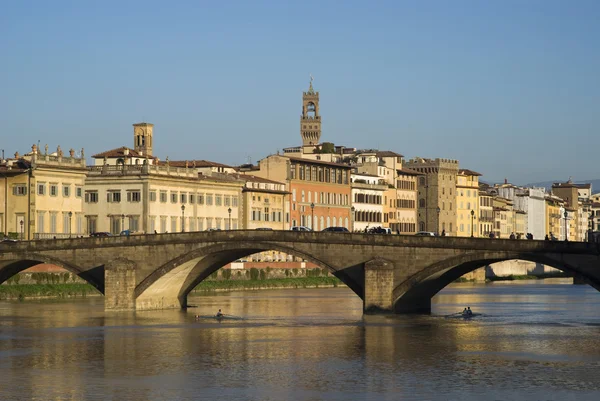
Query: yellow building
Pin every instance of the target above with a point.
(503, 217)
(554, 209)
(130, 189)
(467, 203)
(486, 214)
(42, 195)
(265, 204)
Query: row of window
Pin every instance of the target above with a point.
(21, 190)
(161, 225)
(323, 198)
(48, 222)
(114, 196)
(320, 222)
(403, 203)
(367, 198)
(404, 227)
(364, 216)
(319, 174)
(267, 215)
(402, 184)
(422, 204)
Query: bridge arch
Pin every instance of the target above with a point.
(415, 293)
(10, 266)
(178, 277)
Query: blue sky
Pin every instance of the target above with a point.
(509, 88)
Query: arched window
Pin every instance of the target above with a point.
(328, 222)
(316, 223)
(421, 202)
(346, 222)
(334, 221)
(421, 226)
(422, 181)
(322, 223)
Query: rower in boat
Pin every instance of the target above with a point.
(219, 314)
(469, 313)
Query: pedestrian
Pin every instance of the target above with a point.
(443, 233)
(512, 236)
(546, 238)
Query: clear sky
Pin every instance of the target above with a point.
(510, 88)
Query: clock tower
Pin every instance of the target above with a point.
(310, 121)
(142, 138)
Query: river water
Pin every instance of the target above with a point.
(534, 341)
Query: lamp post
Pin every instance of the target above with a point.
(472, 224)
(229, 211)
(352, 209)
(21, 223)
(122, 222)
(566, 232)
(438, 218)
(312, 215)
(70, 225)
(182, 218)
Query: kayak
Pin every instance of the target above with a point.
(222, 317)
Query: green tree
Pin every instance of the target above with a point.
(254, 273)
(263, 274)
(226, 274)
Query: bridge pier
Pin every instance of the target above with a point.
(379, 286)
(119, 285)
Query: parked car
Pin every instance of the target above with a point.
(425, 234)
(101, 234)
(213, 229)
(337, 229)
(264, 229)
(7, 240)
(300, 228)
(129, 232)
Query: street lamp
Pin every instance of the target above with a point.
(438, 218)
(352, 209)
(122, 222)
(182, 218)
(229, 210)
(70, 225)
(312, 215)
(472, 224)
(21, 223)
(566, 232)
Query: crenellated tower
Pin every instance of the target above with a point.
(310, 121)
(142, 138)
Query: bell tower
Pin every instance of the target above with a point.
(142, 138)
(310, 121)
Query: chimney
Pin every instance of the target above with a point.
(125, 151)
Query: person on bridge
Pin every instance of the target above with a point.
(219, 313)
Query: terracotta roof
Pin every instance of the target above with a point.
(199, 163)
(571, 185)
(299, 159)
(596, 205)
(264, 190)
(388, 153)
(120, 152)
(465, 171)
(253, 178)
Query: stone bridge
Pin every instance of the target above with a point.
(389, 272)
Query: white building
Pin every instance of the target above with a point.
(367, 200)
(532, 202)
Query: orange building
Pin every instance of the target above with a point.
(320, 191)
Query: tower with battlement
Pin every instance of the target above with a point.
(436, 194)
(310, 120)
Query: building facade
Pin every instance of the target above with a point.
(42, 195)
(436, 194)
(320, 191)
(467, 203)
(368, 192)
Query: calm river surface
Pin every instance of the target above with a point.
(533, 341)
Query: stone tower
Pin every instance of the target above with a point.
(142, 138)
(310, 121)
